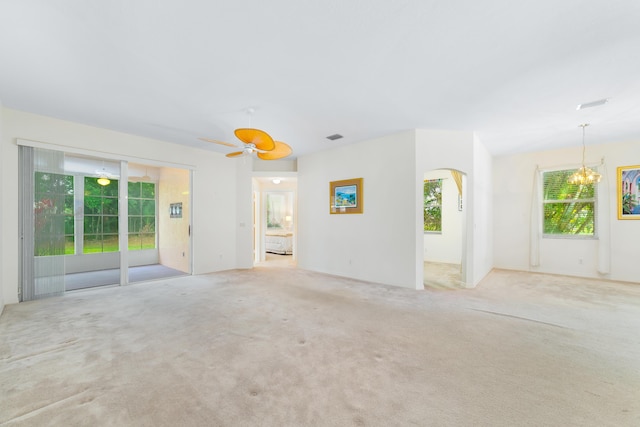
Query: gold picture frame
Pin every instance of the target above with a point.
(346, 196)
(628, 178)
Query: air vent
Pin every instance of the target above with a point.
(334, 136)
(592, 104)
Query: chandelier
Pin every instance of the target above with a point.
(584, 175)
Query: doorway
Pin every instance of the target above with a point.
(444, 229)
(275, 221)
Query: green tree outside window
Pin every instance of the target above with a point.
(100, 216)
(569, 209)
(53, 214)
(433, 205)
(142, 215)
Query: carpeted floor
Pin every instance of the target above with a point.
(287, 347)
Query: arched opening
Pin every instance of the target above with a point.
(444, 229)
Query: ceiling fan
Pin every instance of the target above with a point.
(256, 141)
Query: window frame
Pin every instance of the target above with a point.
(141, 216)
(424, 183)
(544, 202)
(101, 216)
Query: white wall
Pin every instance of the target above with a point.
(482, 230)
(244, 211)
(378, 245)
(513, 183)
(2, 180)
(214, 189)
(173, 233)
(445, 246)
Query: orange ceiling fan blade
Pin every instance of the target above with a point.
(280, 151)
(257, 137)
(215, 141)
(235, 154)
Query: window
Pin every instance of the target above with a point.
(100, 216)
(569, 209)
(433, 205)
(53, 214)
(142, 215)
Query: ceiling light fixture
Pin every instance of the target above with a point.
(584, 175)
(276, 181)
(103, 179)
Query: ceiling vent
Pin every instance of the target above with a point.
(593, 104)
(334, 136)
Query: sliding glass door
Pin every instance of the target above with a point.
(89, 221)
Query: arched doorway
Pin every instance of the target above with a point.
(444, 229)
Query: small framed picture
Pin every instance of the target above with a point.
(346, 196)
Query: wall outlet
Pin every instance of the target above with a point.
(580, 261)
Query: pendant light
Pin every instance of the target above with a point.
(103, 179)
(584, 175)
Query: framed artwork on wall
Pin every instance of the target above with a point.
(346, 196)
(628, 178)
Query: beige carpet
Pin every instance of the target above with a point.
(285, 347)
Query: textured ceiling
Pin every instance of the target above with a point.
(512, 71)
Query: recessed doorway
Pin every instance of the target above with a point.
(275, 221)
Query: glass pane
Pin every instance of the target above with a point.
(68, 224)
(92, 225)
(148, 207)
(148, 190)
(69, 245)
(92, 205)
(92, 243)
(91, 187)
(111, 190)
(110, 224)
(42, 182)
(557, 187)
(134, 207)
(68, 205)
(433, 205)
(109, 206)
(110, 243)
(134, 190)
(134, 242)
(68, 183)
(569, 218)
(135, 223)
(46, 245)
(148, 224)
(148, 241)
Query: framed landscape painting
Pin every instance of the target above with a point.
(628, 178)
(345, 197)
